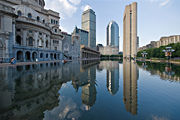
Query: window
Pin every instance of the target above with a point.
(43, 21)
(1, 45)
(0, 22)
(51, 21)
(47, 55)
(55, 30)
(38, 18)
(41, 55)
(47, 43)
(40, 2)
(55, 41)
(56, 22)
(18, 40)
(19, 13)
(18, 30)
(30, 41)
(29, 15)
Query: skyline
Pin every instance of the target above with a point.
(156, 18)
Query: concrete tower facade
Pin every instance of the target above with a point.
(130, 31)
(113, 34)
(89, 24)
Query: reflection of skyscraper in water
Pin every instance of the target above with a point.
(113, 80)
(89, 90)
(130, 77)
(112, 77)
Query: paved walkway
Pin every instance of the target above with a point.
(160, 61)
(26, 63)
(30, 63)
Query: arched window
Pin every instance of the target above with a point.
(38, 18)
(47, 43)
(1, 45)
(41, 55)
(30, 41)
(40, 2)
(19, 13)
(47, 55)
(18, 40)
(29, 15)
(43, 21)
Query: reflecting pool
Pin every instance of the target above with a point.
(90, 90)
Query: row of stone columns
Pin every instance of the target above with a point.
(89, 55)
(22, 56)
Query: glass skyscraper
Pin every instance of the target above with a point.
(113, 34)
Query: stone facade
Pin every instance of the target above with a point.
(130, 31)
(7, 31)
(162, 42)
(28, 32)
(33, 34)
(108, 50)
(75, 46)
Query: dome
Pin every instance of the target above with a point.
(39, 3)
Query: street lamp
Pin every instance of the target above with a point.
(144, 53)
(168, 52)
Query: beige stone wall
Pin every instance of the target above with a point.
(108, 50)
(130, 31)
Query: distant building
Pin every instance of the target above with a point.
(75, 46)
(162, 42)
(113, 34)
(130, 31)
(89, 24)
(108, 50)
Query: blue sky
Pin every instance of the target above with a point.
(156, 18)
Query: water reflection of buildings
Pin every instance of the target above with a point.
(82, 75)
(27, 91)
(130, 77)
(112, 68)
(165, 71)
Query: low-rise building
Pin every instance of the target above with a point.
(109, 50)
(162, 42)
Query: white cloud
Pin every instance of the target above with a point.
(165, 3)
(86, 7)
(75, 2)
(160, 2)
(64, 7)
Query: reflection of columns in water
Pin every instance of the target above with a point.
(113, 80)
(130, 76)
(89, 90)
(27, 91)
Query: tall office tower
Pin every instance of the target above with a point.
(130, 31)
(89, 24)
(113, 34)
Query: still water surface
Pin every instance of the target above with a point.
(96, 90)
